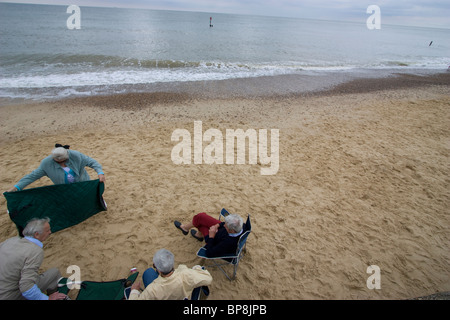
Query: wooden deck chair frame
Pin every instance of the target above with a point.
(230, 259)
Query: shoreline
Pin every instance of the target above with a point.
(278, 86)
(362, 181)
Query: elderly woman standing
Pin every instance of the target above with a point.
(62, 166)
(220, 237)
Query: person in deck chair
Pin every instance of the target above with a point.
(221, 237)
(164, 282)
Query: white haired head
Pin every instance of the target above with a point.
(35, 225)
(60, 154)
(163, 261)
(234, 222)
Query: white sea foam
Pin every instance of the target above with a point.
(203, 72)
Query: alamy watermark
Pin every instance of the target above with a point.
(374, 21)
(213, 152)
(74, 21)
(374, 281)
(74, 280)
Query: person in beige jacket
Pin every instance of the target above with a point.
(20, 261)
(163, 282)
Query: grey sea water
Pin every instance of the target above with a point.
(125, 50)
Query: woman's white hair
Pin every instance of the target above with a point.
(164, 261)
(60, 154)
(35, 225)
(234, 222)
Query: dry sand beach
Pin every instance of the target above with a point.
(363, 179)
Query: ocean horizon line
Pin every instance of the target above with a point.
(362, 21)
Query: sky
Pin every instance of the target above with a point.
(424, 13)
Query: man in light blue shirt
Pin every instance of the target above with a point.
(20, 261)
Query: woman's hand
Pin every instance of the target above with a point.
(13, 189)
(213, 230)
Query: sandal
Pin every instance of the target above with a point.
(178, 225)
(193, 233)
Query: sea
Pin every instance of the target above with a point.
(115, 50)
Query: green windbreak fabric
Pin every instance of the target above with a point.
(65, 204)
(95, 290)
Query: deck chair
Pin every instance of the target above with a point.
(230, 259)
(200, 293)
(93, 290)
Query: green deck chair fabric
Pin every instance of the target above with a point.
(65, 204)
(108, 290)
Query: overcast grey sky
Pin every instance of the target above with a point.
(431, 13)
